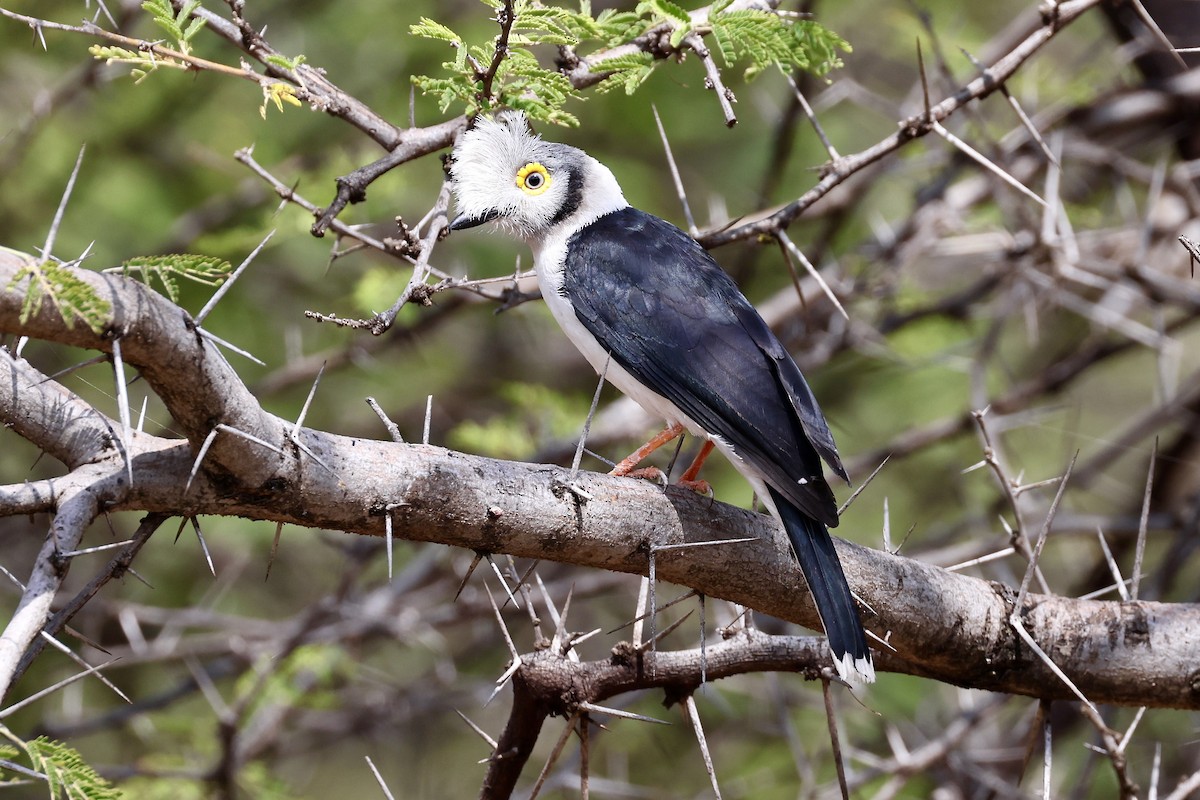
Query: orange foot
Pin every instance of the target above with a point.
(698, 486)
(647, 474)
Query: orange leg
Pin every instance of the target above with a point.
(689, 480)
(627, 464)
(697, 463)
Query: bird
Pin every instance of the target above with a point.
(656, 316)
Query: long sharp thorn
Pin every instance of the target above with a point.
(1113, 567)
(98, 548)
(834, 741)
(547, 599)
(224, 288)
(204, 546)
(640, 612)
(587, 424)
(687, 209)
(616, 712)
(560, 626)
(665, 632)
(208, 440)
(1143, 524)
(56, 644)
(206, 334)
(500, 577)
(816, 275)
(428, 418)
(553, 758)
(307, 402)
(52, 234)
(686, 545)
(470, 570)
(644, 614)
(274, 549)
(379, 779)
(1019, 626)
(865, 484)
(689, 703)
(387, 538)
(1044, 533)
(478, 730)
(987, 163)
(33, 698)
(72, 368)
(122, 405)
(512, 648)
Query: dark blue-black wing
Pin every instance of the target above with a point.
(678, 323)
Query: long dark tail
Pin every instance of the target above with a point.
(819, 563)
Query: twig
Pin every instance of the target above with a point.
(712, 79)
(834, 742)
(506, 17)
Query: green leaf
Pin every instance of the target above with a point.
(767, 39)
(282, 62)
(60, 285)
(208, 270)
(66, 772)
(666, 11)
(431, 29)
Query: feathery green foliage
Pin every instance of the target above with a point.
(182, 30)
(61, 285)
(178, 28)
(763, 38)
(766, 39)
(208, 270)
(176, 24)
(67, 774)
(142, 63)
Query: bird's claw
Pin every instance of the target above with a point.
(653, 474)
(701, 487)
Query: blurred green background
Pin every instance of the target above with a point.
(158, 176)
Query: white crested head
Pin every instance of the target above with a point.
(501, 171)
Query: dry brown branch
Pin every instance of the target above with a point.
(445, 497)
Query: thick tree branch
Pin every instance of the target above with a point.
(944, 625)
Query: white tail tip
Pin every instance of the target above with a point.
(858, 672)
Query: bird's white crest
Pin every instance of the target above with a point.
(484, 175)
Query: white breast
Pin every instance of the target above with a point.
(549, 255)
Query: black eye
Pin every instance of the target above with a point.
(534, 180)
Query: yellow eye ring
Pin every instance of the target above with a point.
(533, 178)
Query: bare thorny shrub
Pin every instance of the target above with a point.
(1049, 246)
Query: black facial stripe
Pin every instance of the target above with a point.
(574, 195)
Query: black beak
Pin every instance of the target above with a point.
(462, 221)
